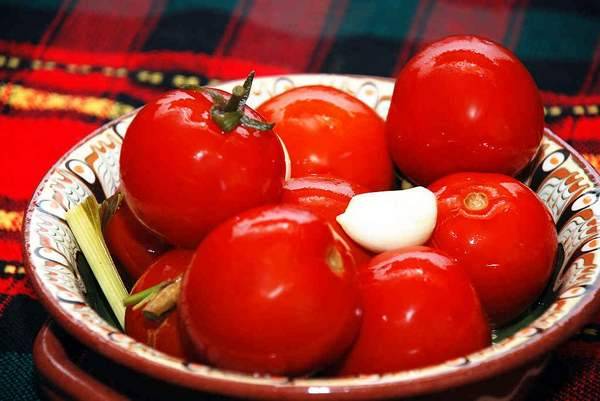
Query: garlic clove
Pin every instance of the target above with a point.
(382, 221)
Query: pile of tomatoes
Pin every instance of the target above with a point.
(260, 276)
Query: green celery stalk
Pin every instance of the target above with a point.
(85, 222)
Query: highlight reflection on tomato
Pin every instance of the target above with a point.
(502, 234)
(419, 308)
(329, 132)
(164, 334)
(463, 104)
(271, 291)
(327, 196)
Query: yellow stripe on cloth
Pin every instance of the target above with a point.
(23, 98)
(10, 220)
(13, 269)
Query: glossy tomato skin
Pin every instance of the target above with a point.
(165, 335)
(463, 104)
(262, 294)
(182, 175)
(507, 244)
(328, 197)
(419, 309)
(131, 243)
(329, 132)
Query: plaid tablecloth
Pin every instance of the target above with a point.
(68, 66)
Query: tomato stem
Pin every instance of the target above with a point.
(227, 121)
(141, 296)
(476, 201)
(231, 114)
(239, 95)
(164, 301)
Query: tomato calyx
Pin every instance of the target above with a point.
(228, 114)
(335, 262)
(156, 300)
(476, 201)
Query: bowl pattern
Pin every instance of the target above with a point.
(562, 179)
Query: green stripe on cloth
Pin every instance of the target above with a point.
(557, 46)
(17, 380)
(50, 5)
(553, 35)
(178, 6)
(369, 40)
(364, 18)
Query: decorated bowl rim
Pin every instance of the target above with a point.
(387, 385)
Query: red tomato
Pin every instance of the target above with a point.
(329, 132)
(132, 244)
(419, 309)
(327, 197)
(463, 104)
(182, 174)
(271, 291)
(501, 233)
(165, 335)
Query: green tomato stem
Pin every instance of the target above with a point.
(138, 297)
(230, 115)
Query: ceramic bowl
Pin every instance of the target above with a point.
(564, 181)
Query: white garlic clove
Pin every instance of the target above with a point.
(382, 221)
